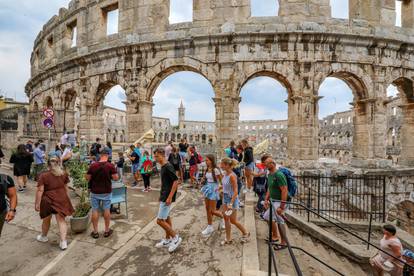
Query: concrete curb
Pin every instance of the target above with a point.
(131, 244)
(250, 262)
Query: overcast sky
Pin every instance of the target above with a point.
(21, 21)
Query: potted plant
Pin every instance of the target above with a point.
(79, 222)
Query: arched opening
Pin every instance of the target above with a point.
(181, 11)
(398, 12)
(184, 100)
(340, 101)
(48, 103)
(339, 9)
(400, 108)
(264, 104)
(114, 109)
(264, 8)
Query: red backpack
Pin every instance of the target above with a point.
(148, 166)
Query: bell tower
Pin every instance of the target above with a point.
(181, 115)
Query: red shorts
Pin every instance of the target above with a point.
(193, 170)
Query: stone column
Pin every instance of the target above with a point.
(227, 120)
(139, 118)
(407, 14)
(377, 12)
(303, 126)
(407, 134)
(299, 10)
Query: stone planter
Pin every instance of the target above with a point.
(80, 224)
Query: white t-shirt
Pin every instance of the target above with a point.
(67, 151)
(210, 177)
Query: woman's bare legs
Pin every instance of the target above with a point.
(63, 227)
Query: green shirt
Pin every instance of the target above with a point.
(275, 181)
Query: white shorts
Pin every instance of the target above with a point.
(275, 216)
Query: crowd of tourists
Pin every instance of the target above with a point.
(222, 185)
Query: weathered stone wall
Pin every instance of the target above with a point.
(300, 48)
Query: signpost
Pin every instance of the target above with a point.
(48, 122)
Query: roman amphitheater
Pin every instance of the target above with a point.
(75, 60)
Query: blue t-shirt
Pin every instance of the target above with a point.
(137, 157)
(38, 156)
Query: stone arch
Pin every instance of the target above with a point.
(167, 68)
(266, 73)
(35, 106)
(48, 102)
(405, 87)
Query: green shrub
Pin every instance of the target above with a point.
(77, 171)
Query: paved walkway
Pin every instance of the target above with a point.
(130, 251)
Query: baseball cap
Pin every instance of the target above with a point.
(106, 151)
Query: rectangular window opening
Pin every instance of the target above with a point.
(181, 11)
(50, 41)
(264, 8)
(73, 33)
(111, 19)
(339, 9)
(398, 13)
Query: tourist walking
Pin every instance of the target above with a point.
(135, 157)
(22, 161)
(260, 183)
(277, 194)
(29, 146)
(193, 162)
(7, 189)
(66, 155)
(231, 201)
(109, 147)
(175, 159)
(52, 198)
(248, 160)
(100, 176)
(183, 147)
(168, 193)
(83, 149)
(39, 160)
(56, 152)
(210, 191)
(382, 262)
(120, 165)
(168, 149)
(147, 170)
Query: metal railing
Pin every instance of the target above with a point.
(343, 197)
(337, 225)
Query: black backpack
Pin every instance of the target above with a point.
(260, 184)
(175, 161)
(94, 149)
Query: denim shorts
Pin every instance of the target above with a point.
(164, 211)
(227, 200)
(250, 166)
(135, 168)
(101, 201)
(275, 216)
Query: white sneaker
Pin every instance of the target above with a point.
(163, 243)
(63, 245)
(175, 243)
(209, 229)
(41, 238)
(222, 225)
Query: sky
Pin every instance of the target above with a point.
(21, 21)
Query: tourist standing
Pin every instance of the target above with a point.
(239, 155)
(96, 149)
(64, 138)
(71, 139)
(39, 160)
(29, 146)
(22, 161)
(260, 183)
(277, 194)
(52, 198)
(183, 147)
(83, 149)
(100, 176)
(120, 164)
(168, 193)
(7, 189)
(175, 159)
(109, 147)
(135, 159)
(56, 152)
(146, 170)
(210, 191)
(248, 160)
(231, 201)
(66, 155)
(168, 149)
(193, 162)
(389, 243)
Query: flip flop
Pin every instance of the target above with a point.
(95, 235)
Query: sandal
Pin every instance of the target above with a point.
(226, 242)
(95, 235)
(275, 242)
(245, 238)
(109, 233)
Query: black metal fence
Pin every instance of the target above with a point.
(342, 197)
